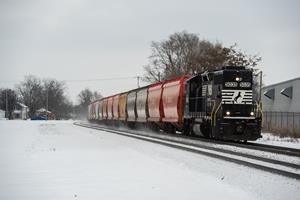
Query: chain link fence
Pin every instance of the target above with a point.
(282, 123)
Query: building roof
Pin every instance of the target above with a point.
(17, 111)
(43, 110)
(283, 82)
(22, 105)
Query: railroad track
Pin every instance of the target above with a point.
(260, 147)
(276, 166)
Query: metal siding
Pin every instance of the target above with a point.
(282, 114)
(173, 100)
(93, 110)
(116, 107)
(97, 110)
(104, 108)
(122, 107)
(131, 99)
(154, 99)
(141, 102)
(170, 97)
(282, 103)
(109, 108)
(100, 110)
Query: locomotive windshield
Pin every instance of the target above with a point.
(237, 79)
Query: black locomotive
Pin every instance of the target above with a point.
(222, 104)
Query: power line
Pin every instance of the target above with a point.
(102, 79)
(81, 80)
(9, 81)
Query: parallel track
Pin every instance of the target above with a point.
(260, 147)
(199, 146)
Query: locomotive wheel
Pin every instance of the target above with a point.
(205, 130)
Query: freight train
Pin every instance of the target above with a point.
(216, 104)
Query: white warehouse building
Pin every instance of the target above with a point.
(281, 107)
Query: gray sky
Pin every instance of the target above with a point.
(93, 39)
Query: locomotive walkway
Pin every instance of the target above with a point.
(273, 159)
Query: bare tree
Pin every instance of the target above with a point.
(85, 97)
(239, 58)
(55, 99)
(8, 100)
(49, 94)
(31, 91)
(184, 53)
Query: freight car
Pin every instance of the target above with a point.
(217, 104)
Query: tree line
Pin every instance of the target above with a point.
(49, 94)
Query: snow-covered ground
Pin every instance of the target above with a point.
(271, 139)
(57, 160)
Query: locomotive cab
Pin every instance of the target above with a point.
(221, 104)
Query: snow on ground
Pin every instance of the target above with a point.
(57, 160)
(271, 139)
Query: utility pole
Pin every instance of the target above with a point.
(260, 87)
(47, 103)
(6, 103)
(138, 81)
(47, 100)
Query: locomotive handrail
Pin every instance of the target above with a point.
(211, 114)
(261, 112)
(216, 113)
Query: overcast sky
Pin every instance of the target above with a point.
(93, 39)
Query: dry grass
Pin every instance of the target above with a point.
(282, 131)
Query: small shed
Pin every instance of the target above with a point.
(2, 114)
(20, 111)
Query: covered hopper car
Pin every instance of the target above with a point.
(217, 104)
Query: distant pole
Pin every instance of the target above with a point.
(6, 103)
(47, 103)
(138, 81)
(260, 87)
(47, 100)
(73, 108)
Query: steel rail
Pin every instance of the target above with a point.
(223, 154)
(256, 146)
(249, 145)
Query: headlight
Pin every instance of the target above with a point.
(252, 113)
(227, 112)
(238, 79)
